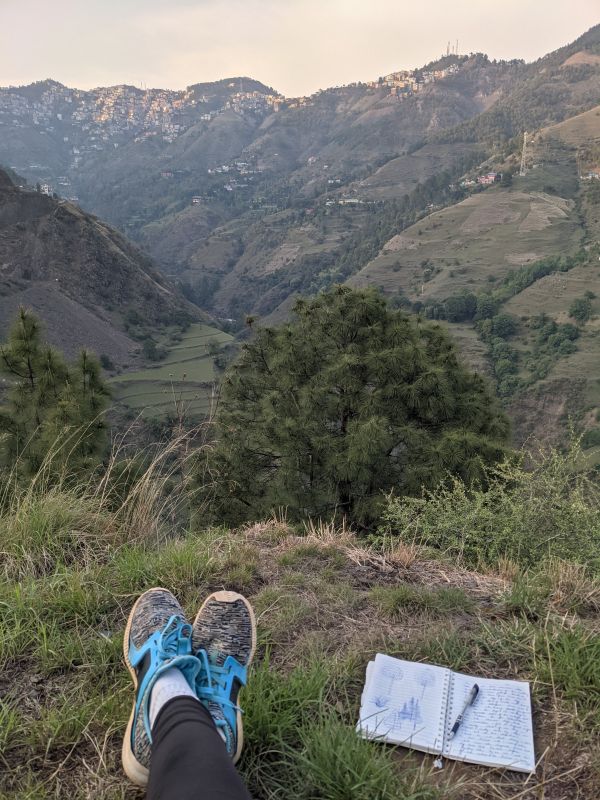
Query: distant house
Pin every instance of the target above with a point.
(196, 200)
(166, 173)
(489, 178)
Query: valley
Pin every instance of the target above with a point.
(247, 200)
(334, 357)
(183, 385)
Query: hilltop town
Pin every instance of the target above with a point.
(85, 123)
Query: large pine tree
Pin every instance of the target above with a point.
(48, 406)
(350, 399)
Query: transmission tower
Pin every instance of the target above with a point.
(523, 169)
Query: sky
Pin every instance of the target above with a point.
(296, 46)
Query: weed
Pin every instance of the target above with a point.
(393, 601)
(335, 764)
(528, 594)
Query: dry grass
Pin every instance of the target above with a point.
(325, 603)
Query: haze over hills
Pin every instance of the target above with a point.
(189, 174)
(247, 199)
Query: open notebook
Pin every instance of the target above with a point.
(416, 705)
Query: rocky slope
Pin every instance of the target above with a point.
(85, 279)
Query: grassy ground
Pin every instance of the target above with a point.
(474, 244)
(73, 564)
(184, 378)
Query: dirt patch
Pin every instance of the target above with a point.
(400, 242)
(582, 57)
(543, 211)
(522, 258)
(486, 216)
(283, 255)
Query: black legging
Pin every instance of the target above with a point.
(189, 759)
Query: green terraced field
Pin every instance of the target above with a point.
(474, 244)
(186, 377)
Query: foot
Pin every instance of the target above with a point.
(157, 638)
(224, 639)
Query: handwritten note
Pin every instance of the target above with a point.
(497, 728)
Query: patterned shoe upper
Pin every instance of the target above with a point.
(223, 638)
(159, 638)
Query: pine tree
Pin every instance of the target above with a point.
(349, 400)
(49, 406)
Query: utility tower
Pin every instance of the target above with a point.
(523, 169)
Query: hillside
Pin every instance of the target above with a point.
(365, 150)
(90, 285)
(247, 197)
(499, 243)
(326, 602)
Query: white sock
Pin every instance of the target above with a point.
(169, 685)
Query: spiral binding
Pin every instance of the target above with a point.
(449, 697)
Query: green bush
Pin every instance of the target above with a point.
(581, 309)
(520, 515)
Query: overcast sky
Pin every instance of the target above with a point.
(297, 46)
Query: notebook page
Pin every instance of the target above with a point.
(497, 730)
(404, 703)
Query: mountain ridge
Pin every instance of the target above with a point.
(84, 278)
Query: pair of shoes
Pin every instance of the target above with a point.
(213, 655)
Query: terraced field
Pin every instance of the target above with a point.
(475, 243)
(185, 379)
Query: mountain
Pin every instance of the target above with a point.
(90, 285)
(247, 199)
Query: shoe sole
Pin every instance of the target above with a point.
(230, 597)
(135, 771)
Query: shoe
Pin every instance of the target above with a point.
(157, 637)
(224, 639)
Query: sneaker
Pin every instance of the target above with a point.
(157, 637)
(224, 639)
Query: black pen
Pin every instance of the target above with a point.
(468, 702)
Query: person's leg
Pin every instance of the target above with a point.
(189, 759)
(183, 736)
(157, 647)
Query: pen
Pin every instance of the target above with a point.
(468, 702)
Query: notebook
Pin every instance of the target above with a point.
(416, 705)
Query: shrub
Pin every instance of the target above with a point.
(581, 309)
(106, 362)
(591, 438)
(519, 515)
(503, 325)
